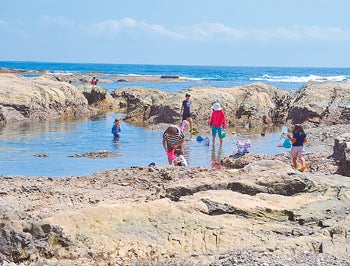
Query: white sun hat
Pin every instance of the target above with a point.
(216, 107)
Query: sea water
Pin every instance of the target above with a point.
(44, 148)
(47, 148)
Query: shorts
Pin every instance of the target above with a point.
(171, 155)
(297, 151)
(216, 129)
(184, 116)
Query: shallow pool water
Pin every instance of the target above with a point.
(21, 143)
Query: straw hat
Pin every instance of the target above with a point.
(216, 107)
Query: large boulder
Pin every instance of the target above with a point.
(341, 153)
(38, 98)
(321, 104)
(243, 105)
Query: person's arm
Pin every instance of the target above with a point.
(293, 140)
(182, 109)
(210, 120)
(223, 120)
(182, 159)
(164, 144)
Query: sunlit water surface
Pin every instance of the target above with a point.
(21, 143)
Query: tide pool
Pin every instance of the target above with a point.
(138, 146)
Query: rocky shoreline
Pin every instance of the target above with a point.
(257, 210)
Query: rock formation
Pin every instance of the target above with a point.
(162, 214)
(256, 205)
(243, 105)
(321, 104)
(342, 153)
(48, 97)
(39, 98)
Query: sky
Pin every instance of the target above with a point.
(309, 33)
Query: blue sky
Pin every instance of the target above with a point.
(182, 32)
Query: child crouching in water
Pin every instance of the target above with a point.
(298, 139)
(180, 159)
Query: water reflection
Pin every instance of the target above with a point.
(216, 156)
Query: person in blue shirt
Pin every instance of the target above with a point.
(298, 139)
(116, 129)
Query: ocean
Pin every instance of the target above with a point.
(20, 144)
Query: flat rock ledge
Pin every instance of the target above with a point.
(264, 212)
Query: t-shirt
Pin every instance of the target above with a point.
(218, 119)
(181, 158)
(299, 139)
(173, 140)
(116, 130)
(186, 105)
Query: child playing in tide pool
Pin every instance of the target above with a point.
(116, 129)
(179, 159)
(298, 139)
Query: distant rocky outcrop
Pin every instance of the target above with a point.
(39, 98)
(243, 105)
(48, 97)
(321, 104)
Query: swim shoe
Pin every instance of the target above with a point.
(301, 168)
(193, 131)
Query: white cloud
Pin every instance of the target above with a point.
(129, 24)
(220, 32)
(217, 31)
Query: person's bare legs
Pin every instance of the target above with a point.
(295, 163)
(302, 160)
(189, 119)
(221, 140)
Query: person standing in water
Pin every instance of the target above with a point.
(116, 130)
(173, 139)
(217, 122)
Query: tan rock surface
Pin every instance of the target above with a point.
(39, 98)
(193, 214)
(321, 104)
(243, 105)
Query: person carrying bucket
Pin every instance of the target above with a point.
(217, 122)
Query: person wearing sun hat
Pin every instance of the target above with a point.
(217, 122)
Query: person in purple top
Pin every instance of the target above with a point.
(185, 112)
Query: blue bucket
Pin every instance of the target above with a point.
(199, 138)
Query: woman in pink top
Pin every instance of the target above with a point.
(217, 122)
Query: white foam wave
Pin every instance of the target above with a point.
(302, 79)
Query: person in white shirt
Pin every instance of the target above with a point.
(179, 160)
